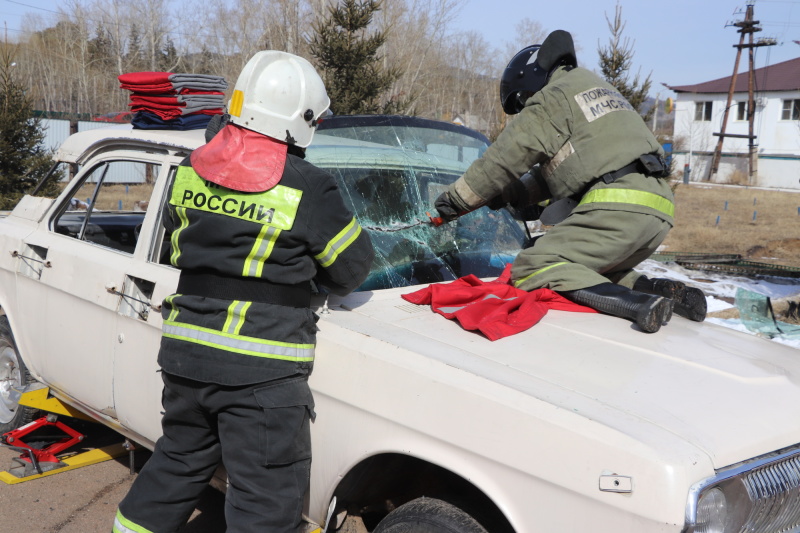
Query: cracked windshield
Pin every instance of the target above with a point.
(390, 171)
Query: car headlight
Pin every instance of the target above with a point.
(712, 511)
(761, 494)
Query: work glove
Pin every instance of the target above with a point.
(446, 208)
(216, 123)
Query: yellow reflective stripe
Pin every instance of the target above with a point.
(236, 312)
(629, 196)
(529, 276)
(339, 244)
(176, 249)
(174, 313)
(237, 100)
(277, 206)
(262, 248)
(123, 525)
(239, 344)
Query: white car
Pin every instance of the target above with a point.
(580, 424)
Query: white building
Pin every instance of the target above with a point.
(699, 111)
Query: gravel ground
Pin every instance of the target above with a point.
(85, 500)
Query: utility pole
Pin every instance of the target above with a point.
(746, 27)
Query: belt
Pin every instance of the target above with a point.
(647, 164)
(212, 285)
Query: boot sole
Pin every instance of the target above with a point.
(693, 305)
(652, 317)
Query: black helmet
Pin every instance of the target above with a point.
(530, 69)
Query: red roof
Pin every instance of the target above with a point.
(779, 77)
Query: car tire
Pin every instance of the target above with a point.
(14, 376)
(428, 515)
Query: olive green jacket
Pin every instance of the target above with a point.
(577, 128)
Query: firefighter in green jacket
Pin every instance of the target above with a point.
(584, 146)
(252, 224)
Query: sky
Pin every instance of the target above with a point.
(681, 42)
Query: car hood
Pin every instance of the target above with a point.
(697, 381)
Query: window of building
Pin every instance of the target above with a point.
(702, 111)
(741, 111)
(791, 110)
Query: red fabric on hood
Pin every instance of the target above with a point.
(495, 308)
(241, 159)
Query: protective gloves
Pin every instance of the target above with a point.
(446, 208)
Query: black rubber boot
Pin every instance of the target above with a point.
(648, 311)
(689, 302)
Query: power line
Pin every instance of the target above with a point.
(95, 21)
(32, 7)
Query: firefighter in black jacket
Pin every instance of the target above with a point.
(252, 224)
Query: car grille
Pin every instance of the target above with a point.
(773, 489)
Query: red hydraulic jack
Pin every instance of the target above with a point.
(45, 458)
(37, 462)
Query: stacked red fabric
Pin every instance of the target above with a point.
(495, 308)
(168, 96)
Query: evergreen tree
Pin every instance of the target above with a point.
(134, 59)
(356, 81)
(615, 62)
(100, 50)
(23, 160)
(170, 60)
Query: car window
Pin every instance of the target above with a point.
(391, 189)
(108, 206)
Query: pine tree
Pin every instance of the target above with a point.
(356, 81)
(134, 58)
(169, 60)
(615, 62)
(23, 160)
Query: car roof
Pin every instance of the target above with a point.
(349, 121)
(80, 146)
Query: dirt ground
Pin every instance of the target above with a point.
(85, 500)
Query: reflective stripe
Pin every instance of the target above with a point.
(529, 276)
(236, 312)
(237, 100)
(629, 196)
(176, 249)
(174, 313)
(276, 207)
(339, 244)
(238, 343)
(262, 248)
(123, 525)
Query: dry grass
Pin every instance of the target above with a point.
(703, 224)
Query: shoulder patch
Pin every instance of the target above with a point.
(600, 101)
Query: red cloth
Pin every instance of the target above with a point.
(241, 159)
(170, 112)
(145, 78)
(495, 308)
(160, 100)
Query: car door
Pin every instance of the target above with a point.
(147, 280)
(85, 246)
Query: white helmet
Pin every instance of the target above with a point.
(279, 95)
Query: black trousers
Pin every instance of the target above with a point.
(259, 432)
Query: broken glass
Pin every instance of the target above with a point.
(389, 177)
(756, 313)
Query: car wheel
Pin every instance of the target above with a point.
(428, 515)
(13, 377)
